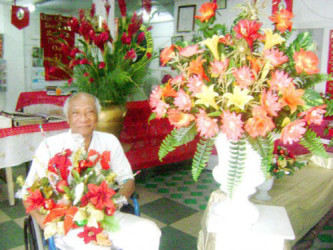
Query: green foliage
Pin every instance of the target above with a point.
(176, 138)
(201, 156)
(329, 107)
(312, 98)
(110, 223)
(312, 142)
(303, 40)
(308, 81)
(236, 165)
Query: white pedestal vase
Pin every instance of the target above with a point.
(236, 211)
(263, 189)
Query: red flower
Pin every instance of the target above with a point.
(208, 11)
(140, 37)
(282, 21)
(122, 7)
(126, 39)
(101, 40)
(109, 211)
(105, 159)
(74, 52)
(130, 55)
(306, 61)
(134, 26)
(70, 81)
(167, 54)
(100, 196)
(91, 80)
(107, 7)
(73, 63)
(65, 49)
(84, 61)
(85, 30)
(60, 162)
(74, 24)
(90, 233)
(148, 55)
(248, 30)
(92, 10)
(35, 200)
(101, 65)
(86, 74)
(146, 4)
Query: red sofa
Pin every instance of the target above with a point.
(144, 139)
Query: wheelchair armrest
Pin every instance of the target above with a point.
(134, 198)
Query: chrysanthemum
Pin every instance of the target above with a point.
(177, 81)
(207, 127)
(183, 101)
(232, 125)
(280, 80)
(270, 102)
(190, 50)
(155, 97)
(293, 132)
(218, 68)
(275, 57)
(195, 84)
(244, 77)
(160, 109)
(314, 115)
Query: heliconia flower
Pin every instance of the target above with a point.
(74, 24)
(126, 39)
(314, 115)
(155, 97)
(207, 96)
(122, 7)
(292, 97)
(218, 68)
(212, 44)
(190, 50)
(84, 61)
(168, 91)
(270, 102)
(238, 98)
(207, 127)
(92, 10)
(272, 39)
(101, 65)
(161, 109)
(293, 132)
(196, 68)
(248, 30)
(167, 54)
(130, 55)
(140, 37)
(177, 81)
(280, 80)
(195, 84)
(183, 101)
(281, 19)
(259, 124)
(179, 119)
(244, 77)
(275, 57)
(86, 74)
(306, 61)
(146, 4)
(208, 11)
(232, 125)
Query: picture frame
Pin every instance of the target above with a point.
(221, 4)
(185, 20)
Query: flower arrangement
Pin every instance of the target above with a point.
(87, 200)
(246, 82)
(105, 66)
(283, 162)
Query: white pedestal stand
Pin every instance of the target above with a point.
(270, 232)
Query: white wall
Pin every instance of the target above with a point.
(2, 30)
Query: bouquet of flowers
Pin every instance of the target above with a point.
(105, 66)
(244, 81)
(77, 191)
(283, 163)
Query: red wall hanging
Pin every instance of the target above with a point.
(20, 16)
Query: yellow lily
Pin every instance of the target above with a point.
(285, 122)
(212, 43)
(238, 98)
(207, 97)
(272, 39)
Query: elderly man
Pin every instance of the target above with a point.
(82, 113)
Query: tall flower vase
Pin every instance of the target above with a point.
(263, 189)
(236, 210)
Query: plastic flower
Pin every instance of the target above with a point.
(270, 102)
(35, 200)
(179, 119)
(90, 234)
(275, 57)
(293, 132)
(167, 54)
(244, 77)
(99, 196)
(207, 127)
(259, 124)
(249, 30)
(208, 11)
(314, 115)
(272, 39)
(292, 97)
(306, 61)
(232, 125)
(195, 84)
(280, 80)
(207, 96)
(282, 19)
(212, 44)
(196, 68)
(190, 50)
(239, 97)
(218, 68)
(183, 101)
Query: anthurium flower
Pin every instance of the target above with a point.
(218, 68)
(208, 11)
(167, 54)
(292, 97)
(212, 44)
(272, 39)
(239, 97)
(207, 96)
(179, 119)
(249, 30)
(282, 19)
(232, 125)
(196, 68)
(190, 50)
(244, 77)
(90, 233)
(314, 115)
(207, 127)
(293, 132)
(306, 61)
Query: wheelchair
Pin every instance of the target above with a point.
(33, 235)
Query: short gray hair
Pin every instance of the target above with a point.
(68, 100)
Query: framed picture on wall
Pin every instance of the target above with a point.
(221, 4)
(185, 21)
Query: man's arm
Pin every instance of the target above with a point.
(127, 189)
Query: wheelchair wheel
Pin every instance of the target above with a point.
(29, 235)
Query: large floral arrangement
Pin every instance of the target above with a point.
(105, 66)
(77, 191)
(246, 82)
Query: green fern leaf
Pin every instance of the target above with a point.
(201, 156)
(312, 98)
(312, 142)
(329, 107)
(303, 40)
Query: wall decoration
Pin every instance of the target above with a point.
(288, 4)
(185, 22)
(329, 84)
(20, 16)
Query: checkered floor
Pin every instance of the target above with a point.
(167, 195)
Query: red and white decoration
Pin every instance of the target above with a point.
(20, 16)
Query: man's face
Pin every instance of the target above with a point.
(82, 115)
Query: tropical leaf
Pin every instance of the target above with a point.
(303, 40)
(312, 142)
(312, 98)
(309, 81)
(236, 165)
(201, 156)
(329, 107)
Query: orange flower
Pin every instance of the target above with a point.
(314, 115)
(259, 124)
(168, 91)
(282, 21)
(292, 97)
(249, 30)
(179, 119)
(197, 68)
(256, 63)
(167, 54)
(306, 61)
(208, 11)
(293, 132)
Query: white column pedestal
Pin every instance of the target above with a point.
(270, 232)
